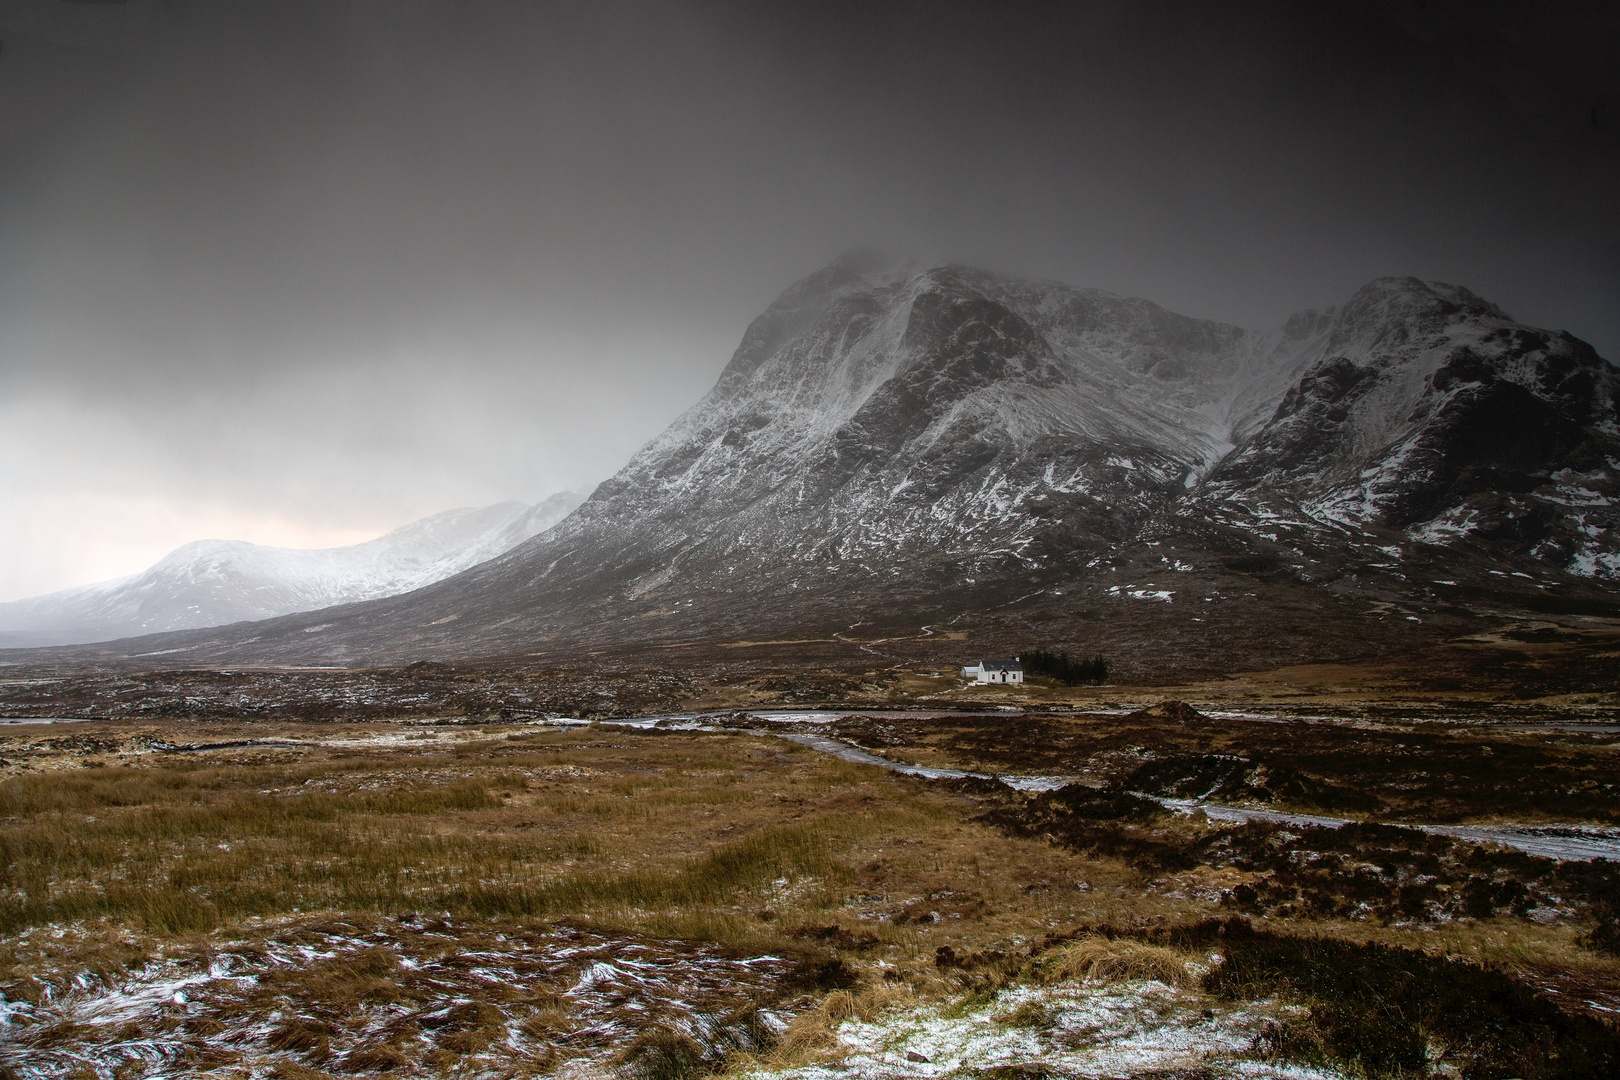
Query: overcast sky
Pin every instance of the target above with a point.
(297, 274)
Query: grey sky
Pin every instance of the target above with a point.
(299, 273)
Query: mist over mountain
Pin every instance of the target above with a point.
(925, 455)
(216, 582)
(283, 270)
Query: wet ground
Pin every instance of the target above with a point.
(899, 735)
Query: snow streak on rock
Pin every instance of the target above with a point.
(881, 420)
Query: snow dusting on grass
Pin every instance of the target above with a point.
(1135, 1028)
(406, 997)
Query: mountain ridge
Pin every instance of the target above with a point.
(900, 449)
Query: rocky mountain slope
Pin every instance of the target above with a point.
(215, 582)
(1428, 410)
(903, 458)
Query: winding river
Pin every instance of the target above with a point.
(1572, 843)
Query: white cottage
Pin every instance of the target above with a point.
(995, 671)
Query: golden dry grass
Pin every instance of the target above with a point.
(1101, 960)
(187, 844)
(722, 837)
(812, 1034)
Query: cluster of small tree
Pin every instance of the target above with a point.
(1071, 672)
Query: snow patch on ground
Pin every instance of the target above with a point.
(1450, 526)
(1592, 563)
(1142, 594)
(1127, 1029)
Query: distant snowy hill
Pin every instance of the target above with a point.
(216, 582)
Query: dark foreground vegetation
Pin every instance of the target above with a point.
(1358, 872)
(1376, 1009)
(1398, 1012)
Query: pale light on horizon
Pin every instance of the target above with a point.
(65, 547)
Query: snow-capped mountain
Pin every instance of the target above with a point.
(215, 582)
(901, 457)
(1428, 410)
(894, 421)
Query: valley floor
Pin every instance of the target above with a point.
(426, 896)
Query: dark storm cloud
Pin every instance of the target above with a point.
(349, 262)
(1246, 162)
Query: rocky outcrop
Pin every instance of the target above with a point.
(1430, 411)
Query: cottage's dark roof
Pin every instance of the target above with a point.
(1001, 665)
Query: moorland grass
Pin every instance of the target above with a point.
(763, 847)
(181, 845)
(178, 869)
